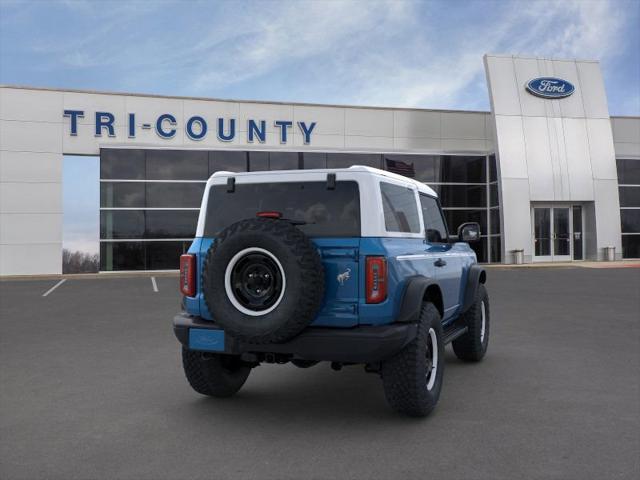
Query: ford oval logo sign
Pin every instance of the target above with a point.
(550, 87)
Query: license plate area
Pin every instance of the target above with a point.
(206, 339)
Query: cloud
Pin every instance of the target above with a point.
(392, 53)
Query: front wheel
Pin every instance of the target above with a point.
(472, 346)
(213, 374)
(412, 379)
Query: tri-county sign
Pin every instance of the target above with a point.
(550, 87)
(196, 127)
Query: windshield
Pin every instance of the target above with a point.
(317, 210)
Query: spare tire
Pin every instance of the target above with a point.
(263, 280)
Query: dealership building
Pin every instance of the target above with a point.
(548, 173)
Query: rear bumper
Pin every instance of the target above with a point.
(349, 345)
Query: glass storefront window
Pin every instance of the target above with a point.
(471, 196)
(313, 160)
(258, 161)
(480, 248)
(628, 171)
(164, 255)
(631, 246)
(171, 223)
(345, 160)
(629, 196)
(177, 165)
(496, 246)
(122, 164)
(452, 176)
(228, 161)
(122, 194)
(121, 224)
(122, 256)
(495, 220)
(493, 169)
(630, 221)
(283, 160)
(174, 195)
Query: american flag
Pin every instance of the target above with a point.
(400, 167)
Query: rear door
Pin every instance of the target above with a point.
(328, 215)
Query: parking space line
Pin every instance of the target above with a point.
(154, 284)
(54, 287)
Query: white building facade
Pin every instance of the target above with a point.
(547, 172)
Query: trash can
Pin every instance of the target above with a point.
(610, 253)
(518, 257)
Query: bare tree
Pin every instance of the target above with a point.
(80, 262)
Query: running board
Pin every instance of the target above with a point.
(453, 332)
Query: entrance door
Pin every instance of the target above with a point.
(557, 233)
(561, 234)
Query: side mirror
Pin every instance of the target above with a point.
(469, 232)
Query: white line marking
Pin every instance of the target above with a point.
(54, 287)
(154, 284)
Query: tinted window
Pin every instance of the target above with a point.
(227, 161)
(174, 195)
(628, 171)
(283, 161)
(326, 212)
(177, 165)
(480, 248)
(629, 196)
(122, 256)
(345, 160)
(435, 230)
(470, 196)
(314, 160)
(462, 169)
(121, 224)
(493, 169)
(171, 223)
(258, 161)
(122, 164)
(400, 209)
(420, 167)
(496, 253)
(164, 255)
(630, 221)
(122, 195)
(631, 246)
(495, 220)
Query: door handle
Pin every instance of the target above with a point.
(439, 263)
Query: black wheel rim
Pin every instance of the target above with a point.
(256, 281)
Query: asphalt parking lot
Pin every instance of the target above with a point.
(92, 387)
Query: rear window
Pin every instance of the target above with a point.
(327, 213)
(400, 209)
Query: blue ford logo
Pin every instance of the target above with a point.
(550, 87)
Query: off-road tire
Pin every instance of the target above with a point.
(214, 375)
(303, 271)
(472, 346)
(404, 376)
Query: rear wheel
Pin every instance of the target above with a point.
(214, 375)
(412, 379)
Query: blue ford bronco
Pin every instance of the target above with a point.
(349, 266)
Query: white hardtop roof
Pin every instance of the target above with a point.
(274, 175)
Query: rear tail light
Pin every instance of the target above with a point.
(376, 279)
(188, 275)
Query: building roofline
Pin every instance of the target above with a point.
(210, 99)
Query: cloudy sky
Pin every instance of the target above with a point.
(414, 54)
(396, 53)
